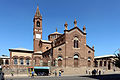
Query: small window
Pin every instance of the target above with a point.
(47, 47)
(27, 61)
(75, 43)
(59, 49)
(6, 62)
(104, 63)
(100, 63)
(89, 58)
(21, 61)
(15, 60)
(38, 24)
(89, 51)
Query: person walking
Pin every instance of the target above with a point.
(55, 73)
(103, 71)
(89, 71)
(59, 72)
(12, 73)
(32, 74)
(99, 72)
(86, 72)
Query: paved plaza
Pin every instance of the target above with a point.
(51, 78)
(89, 77)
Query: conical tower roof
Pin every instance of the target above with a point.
(37, 14)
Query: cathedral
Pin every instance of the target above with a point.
(60, 51)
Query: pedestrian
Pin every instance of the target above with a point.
(59, 72)
(55, 73)
(95, 71)
(114, 70)
(89, 71)
(99, 72)
(103, 71)
(33, 74)
(86, 72)
(12, 73)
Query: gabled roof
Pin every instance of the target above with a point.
(76, 28)
(21, 50)
(56, 33)
(90, 48)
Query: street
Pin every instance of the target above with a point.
(50, 78)
(97, 77)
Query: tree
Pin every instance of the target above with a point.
(117, 60)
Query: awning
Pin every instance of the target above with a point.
(75, 56)
(30, 67)
(38, 67)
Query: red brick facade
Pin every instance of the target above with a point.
(64, 50)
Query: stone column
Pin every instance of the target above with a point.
(56, 63)
(24, 61)
(49, 63)
(18, 61)
(98, 63)
(9, 62)
(3, 61)
(41, 62)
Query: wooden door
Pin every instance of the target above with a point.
(75, 62)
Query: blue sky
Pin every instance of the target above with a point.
(101, 18)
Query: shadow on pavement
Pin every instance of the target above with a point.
(105, 77)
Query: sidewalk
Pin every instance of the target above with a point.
(25, 75)
(17, 75)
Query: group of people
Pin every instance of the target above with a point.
(95, 72)
(56, 72)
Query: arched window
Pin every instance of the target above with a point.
(89, 61)
(76, 42)
(59, 49)
(21, 61)
(104, 63)
(76, 56)
(95, 63)
(89, 51)
(27, 61)
(38, 24)
(15, 61)
(100, 63)
(59, 57)
(89, 58)
(6, 62)
(1, 62)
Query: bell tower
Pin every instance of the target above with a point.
(37, 30)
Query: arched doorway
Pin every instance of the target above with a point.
(109, 66)
(59, 61)
(95, 63)
(75, 60)
(6, 61)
